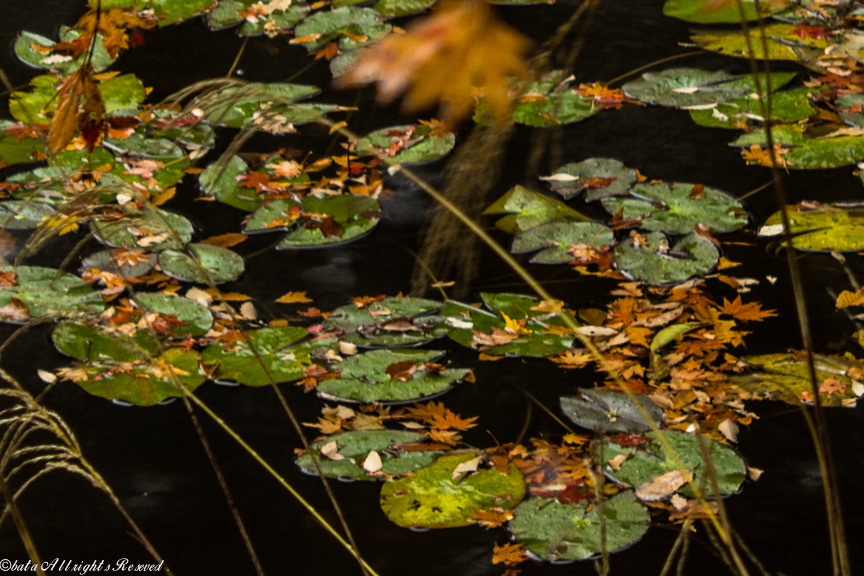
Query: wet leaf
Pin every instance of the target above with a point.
(407, 144)
(527, 208)
(15, 148)
(559, 532)
(192, 319)
(783, 44)
(598, 177)
(684, 87)
(808, 153)
(824, 228)
(432, 498)
(389, 323)
(398, 8)
(67, 64)
(340, 25)
(558, 239)
(610, 411)
(270, 17)
(727, 11)
(787, 106)
(125, 263)
(102, 344)
(221, 183)
(23, 215)
(148, 228)
(336, 219)
(220, 264)
(654, 260)
(355, 445)
(43, 294)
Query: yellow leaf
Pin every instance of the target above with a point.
(230, 296)
(293, 297)
(226, 240)
(514, 325)
(163, 197)
(848, 298)
(726, 263)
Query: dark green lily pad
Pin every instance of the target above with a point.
(650, 259)
(322, 27)
(337, 219)
(398, 8)
(133, 263)
(550, 101)
(689, 87)
(227, 13)
(807, 153)
(149, 228)
(220, 264)
(187, 317)
(33, 291)
(279, 215)
(610, 411)
(66, 64)
(221, 183)
(533, 333)
(97, 344)
(23, 215)
(188, 132)
(782, 43)
(438, 497)
(407, 144)
(786, 377)
(279, 355)
(821, 229)
(174, 11)
(354, 446)
(143, 383)
(388, 323)
(787, 106)
(559, 532)
(598, 177)
(557, 239)
(382, 376)
(15, 150)
(527, 208)
(850, 107)
(677, 208)
(643, 466)
(711, 12)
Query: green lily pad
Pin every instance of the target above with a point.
(786, 377)
(399, 8)
(227, 13)
(44, 291)
(23, 215)
(532, 333)
(560, 532)
(337, 219)
(439, 497)
(97, 344)
(557, 239)
(822, 229)
(611, 411)
(677, 208)
(649, 258)
(322, 27)
(149, 228)
(24, 49)
(175, 11)
(143, 383)
(188, 132)
(527, 208)
(711, 12)
(15, 150)
(279, 215)
(354, 446)
(807, 153)
(643, 466)
(278, 355)
(397, 322)
(186, 317)
(598, 177)
(133, 264)
(782, 43)
(384, 376)
(548, 102)
(850, 107)
(220, 264)
(787, 106)
(689, 87)
(407, 144)
(221, 183)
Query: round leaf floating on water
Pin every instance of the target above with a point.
(96, 344)
(220, 181)
(807, 153)
(389, 376)
(183, 316)
(32, 291)
(17, 148)
(23, 215)
(527, 208)
(650, 259)
(389, 323)
(278, 215)
(687, 87)
(149, 228)
(783, 43)
(220, 264)
(30, 49)
(711, 11)
(398, 8)
(558, 239)
(125, 263)
(611, 411)
(786, 106)
(268, 19)
(439, 496)
(408, 144)
(559, 532)
(352, 448)
(598, 177)
(344, 24)
(822, 229)
(331, 220)
(678, 208)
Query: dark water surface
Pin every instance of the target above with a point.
(153, 457)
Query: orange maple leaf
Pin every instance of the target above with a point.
(439, 417)
(751, 312)
(509, 554)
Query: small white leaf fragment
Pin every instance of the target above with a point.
(595, 331)
(372, 463)
(247, 310)
(460, 324)
(857, 388)
(729, 429)
(347, 348)
(663, 486)
(686, 90)
(470, 466)
(46, 376)
(330, 450)
(679, 502)
(560, 178)
(754, 473)
(199, 296)
(345, 413)
(772, 230)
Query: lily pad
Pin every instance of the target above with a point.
(142, 383)
(220, 264)
(550, 101)
(278, 355)
(557, 239)
(643, 466)
(354, 446)
(598, 177)
(149, 228)
(125, 263)
(15, 149)
(363, 24)
(185, 317)
(188, 132)
(711, 12)
(23, 215)
(783, 44)
(399, 8)
(440, 497)
(388, 323)
(611, 411)
(678, 208)
(331, 220)
(690, 87)
(821, 229)
(650, 259)
(32, 291)
(407, 144)
(807, 153)
(786, 377)
(97, 344)
(272, 22)
(389, 376)
(280, 215)
(560, 532)
(527, 208)
(31, 50)
(221, 183)
(787, 106)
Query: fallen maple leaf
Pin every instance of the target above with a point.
(509, 554)
(294, 297)
(226, 240)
